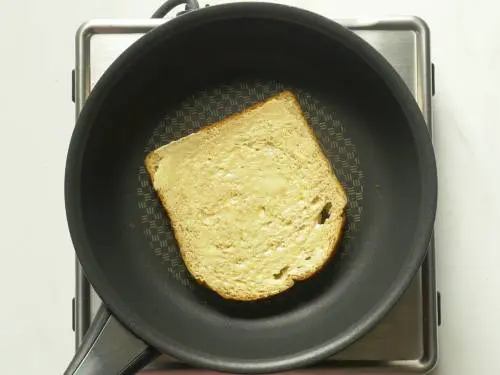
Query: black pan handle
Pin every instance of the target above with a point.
(109, 348)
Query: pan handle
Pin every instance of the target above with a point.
(109, 348)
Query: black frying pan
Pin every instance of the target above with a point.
(197, 69)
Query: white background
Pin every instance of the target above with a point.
(37, 115)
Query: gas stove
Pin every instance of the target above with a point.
(406, 339)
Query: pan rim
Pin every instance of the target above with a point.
(416, 122)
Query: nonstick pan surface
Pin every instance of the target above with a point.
(198, 69)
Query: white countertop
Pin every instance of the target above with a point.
(36, 118)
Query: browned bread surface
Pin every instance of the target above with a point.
(253, 201)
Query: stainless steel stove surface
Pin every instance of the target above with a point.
(406, 340)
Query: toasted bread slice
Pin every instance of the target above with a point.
(253, 201)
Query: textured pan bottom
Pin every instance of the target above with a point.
(208, 106)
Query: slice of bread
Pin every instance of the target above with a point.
(252, 199)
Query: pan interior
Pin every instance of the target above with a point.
(182, 83)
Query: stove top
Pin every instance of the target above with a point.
(406, 340)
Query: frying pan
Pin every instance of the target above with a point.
(197, 69)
